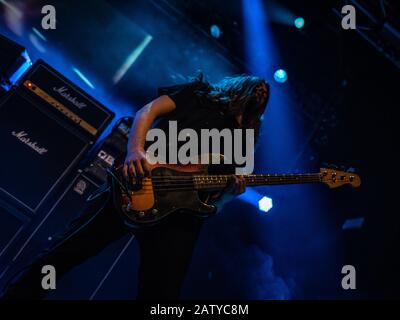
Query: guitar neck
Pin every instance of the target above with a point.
(216, 182)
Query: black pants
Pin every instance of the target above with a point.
(165, 253)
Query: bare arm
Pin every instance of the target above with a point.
(135, 161)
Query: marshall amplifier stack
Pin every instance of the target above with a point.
(47, 124)
(73, 201)
(47, 127)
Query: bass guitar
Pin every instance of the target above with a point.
(170, 188)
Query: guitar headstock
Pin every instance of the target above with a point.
(336, 178)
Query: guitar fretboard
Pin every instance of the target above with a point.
(220, 181)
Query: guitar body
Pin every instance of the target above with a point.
(154, 198)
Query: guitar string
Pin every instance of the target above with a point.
(255, 176)
(173, 181)
(219, 184)
(205, 185)
(149, 189)
(219, 181)
(227, 178)
(180, 182)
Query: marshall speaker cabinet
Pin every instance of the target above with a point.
(70, 203)
(36, 151)
(32, 238)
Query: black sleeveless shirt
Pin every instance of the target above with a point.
(194, 112)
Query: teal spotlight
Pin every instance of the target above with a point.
(215, 31)
(299, 22)
(280, 76)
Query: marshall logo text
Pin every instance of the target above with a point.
(63, 91)
(24, 138)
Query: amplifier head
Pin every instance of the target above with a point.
(59, 96)
(37, 151)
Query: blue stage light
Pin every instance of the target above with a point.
(265, 204)
(280, 76)
(215, 31)
(355, 223)
(130, 60)
(18, 72)
(39, 34)
(83, 77)
(299, 22)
